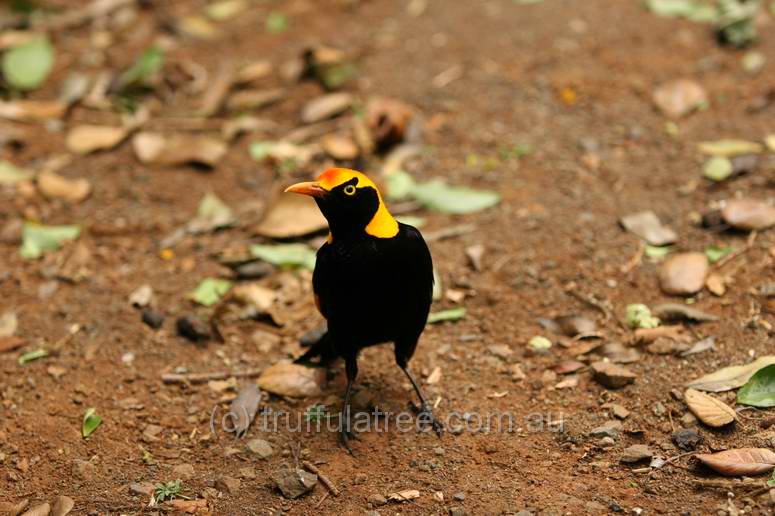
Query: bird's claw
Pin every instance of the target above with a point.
(425, 418)
(344, 439)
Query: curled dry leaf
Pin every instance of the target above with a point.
(709, 410)
(388, 120)
(54, 186)
(156, 149)
(294, 380)
(741, 461)
(85, 139)
(678, 312)
(327, 106)
(732, 377)
(291, 216)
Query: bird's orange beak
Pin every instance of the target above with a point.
(311, 188)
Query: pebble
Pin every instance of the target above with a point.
(606, 442)
(294, 482)
(459, 496)
(611, 375)
(84, 470)
(687, 438)
(261, 448)
(141, 488)
(636, 453)
(618, 411)
(749, 214)
(457, 511)
(679, 97)
(325, 106)
(62, 506)
(610, 429)
(500, 350)
(683, 274)
(254, 270)
(439, 450)
(43, 509)
(193, 328)
(228, 485)
(377, 500)
(247, 473)
(183, 471)
(152, 318)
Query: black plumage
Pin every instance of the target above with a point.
(373, 279)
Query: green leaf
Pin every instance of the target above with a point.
(276, 22)
(11, 174)
(771, 481)
(90, 422)
(539, 343)
(225, 9)
(286, 255)
(759, 391)
(213, 212)
(38, 239)
(32, 355)
(439, 196)
(639, 316)
(146, 66)
(398, 185)
(717, 168)
(453, 314)
(729, 148)
(654, 251)
(210, 291)
(260, 150)
(715, 253)
(26, 66)
(694, 10)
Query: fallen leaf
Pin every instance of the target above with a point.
(711, 411)
(677, 312)
(539, 343)
(327, 106)
(437, 195)
(253, 71)
(243, 409)
(30, 356)
(90, 422)
(8, 324)
(284, 153)
(716, 284)
(85, 139)
(718, 168)
(247, 100)
(689, 9)
(611, 375)
(729, 148)
(759, 391)
(145, 67)
(62, 506)
(678, 98)
(740, 461)
(453, 314)
(286, 255)
(276, 22)
(197, 27)
(647, 226)
(25, 67)
(340, 147)
(225, 9)
(11, 174)
(255, 299)
(11, 343)
(156, 149)
(293, 380)
(732, 377)
(388, 121)
(700, 346)
(198, 506)
(434, 377)
(32, 110)
(749, 214)
(38, 239)
(291, 216)
(54, 186)
(403, 496)
(212, 214)
(769, 140)
(638, 315)
(210, 291)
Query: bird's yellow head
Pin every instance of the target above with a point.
(351, 203)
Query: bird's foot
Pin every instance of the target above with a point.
(345, 435)
(425, 418)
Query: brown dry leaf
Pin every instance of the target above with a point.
(156, 149)
(32, 110)
(388, 120)
(716, 285)
(11, 343)
(54, 186)
(215, 95)
(405, 495)
(647, 226)
(85, 139)
(253, 99)
(434, 377)
(291, 216)
(731, 377)
(327, 106)
(246, 124)
(198, 506)
(741, 461)
(197, 27)
(709, 410)
(340, 147)
(252, 72)
(43, 509)
(648, 335)
(244, 408)
(294, 380)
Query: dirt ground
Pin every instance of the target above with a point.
(571, 79)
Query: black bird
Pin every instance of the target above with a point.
(373, 280)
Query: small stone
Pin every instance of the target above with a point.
(294, 482)
(377, 500)
(253, 270)
(228, 485)
(459, 496)
(43, 509)
(141, 488)
(679, 97)
(658, 409)
(688, 420)
(611, 375)
(326, 106)
(439, 450)
(683, 274)
(84, 470)
(247, 473)
(617, 410)
(687, 438)
(749, 214)
(141, 297)
(183, 471)
(606, 442)
(647, 225)
(610, 429)
(474, 254)
(152, 318)
(193, 328)
(457, 511)
(500, 350)
(636, 453)
(261, 448)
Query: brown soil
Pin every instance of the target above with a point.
(557, 224)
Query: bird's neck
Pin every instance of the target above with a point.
(381, 225)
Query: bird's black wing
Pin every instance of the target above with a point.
(321, 279)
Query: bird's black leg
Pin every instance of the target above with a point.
(424, 413)
(345, 432)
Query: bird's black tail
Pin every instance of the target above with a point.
(322, 347)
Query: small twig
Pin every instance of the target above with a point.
(635, 260)
(206, 377)
(326, 481)
(731, 256)
(450, 232)
(570, 288)
(323, 499)
(670, 417)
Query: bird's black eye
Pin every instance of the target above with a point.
(349, 189)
